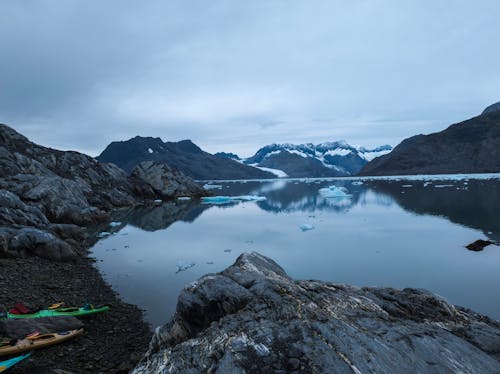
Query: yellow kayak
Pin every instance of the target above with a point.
(38, 341)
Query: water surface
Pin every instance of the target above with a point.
(398, 233)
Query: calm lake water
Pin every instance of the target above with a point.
(399, 233)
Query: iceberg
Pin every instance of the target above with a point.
(216, 200)
(357, 183)
(306, 227)
(230, 199)
(184, 265)
(114, 224)
(334, 192)
(209, 186)
(183, 198)
(103, 234)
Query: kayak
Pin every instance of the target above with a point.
(38, 341)
(76, 312)
(5, 365)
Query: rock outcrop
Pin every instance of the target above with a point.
(165, 181)
(253, 318)
(47, 196)
(472, 146)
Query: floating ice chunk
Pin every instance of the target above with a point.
(209, 186)
(158, 201)
(114, 224)
(443, 185)
(427, 183)
(150, 150)
(334, 192)
(184, 265)
(230, 199)
(216, 199)
(357, 183)
(183, 198)
(103, 234)
(407, 185)
(306, 227)
(249, 198)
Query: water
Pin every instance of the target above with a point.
(397, 233)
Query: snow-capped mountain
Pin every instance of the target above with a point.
(321, 160)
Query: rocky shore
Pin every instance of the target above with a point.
(113, 342)
(253, 318)
(51, 203)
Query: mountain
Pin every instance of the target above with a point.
(230, 155)
(184, 156)
(330, 159)
(471, 146)
(492, 108)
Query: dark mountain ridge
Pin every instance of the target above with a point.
(471, 146)
(184, 156)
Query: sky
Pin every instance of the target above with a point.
(235, 75)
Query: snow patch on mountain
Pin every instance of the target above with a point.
(339, 156)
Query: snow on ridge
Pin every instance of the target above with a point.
(338, 152)
(370, 155)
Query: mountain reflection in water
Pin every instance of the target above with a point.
(398, 233)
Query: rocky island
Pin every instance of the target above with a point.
(253, 318)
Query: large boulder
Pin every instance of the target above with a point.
(165, 181)
(29, 241)
(253, 318)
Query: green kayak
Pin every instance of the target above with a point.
(76, 312)
(6, 365)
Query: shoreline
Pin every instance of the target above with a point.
(113, 342)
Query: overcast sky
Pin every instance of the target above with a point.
(236, 75)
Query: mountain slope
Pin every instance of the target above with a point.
(472, 146)
(330, 159)
(492, 108)
(184, 156)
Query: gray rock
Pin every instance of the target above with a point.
(165, 181)
(254, 318)
(29, 241)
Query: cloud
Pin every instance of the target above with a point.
(238, 75)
